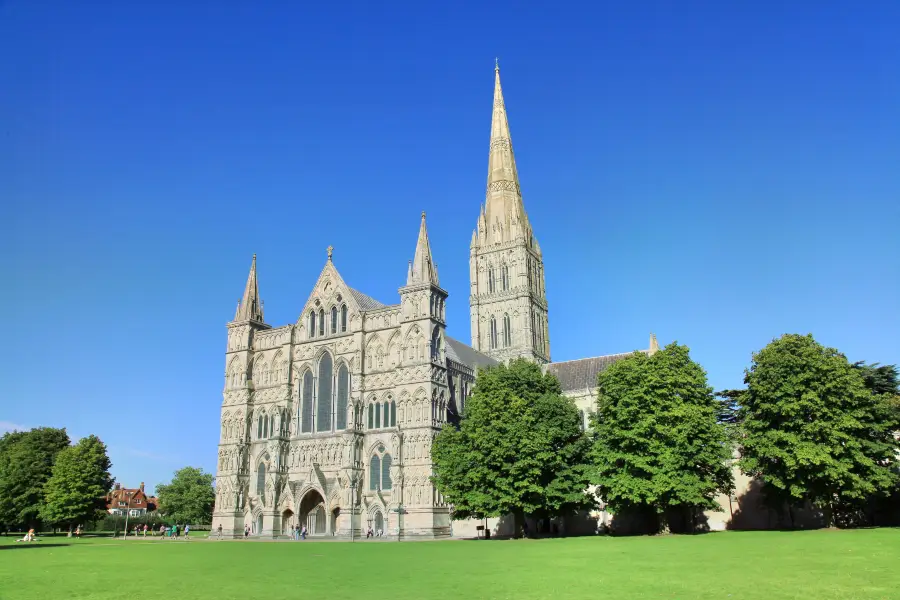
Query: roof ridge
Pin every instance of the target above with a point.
(559, 362)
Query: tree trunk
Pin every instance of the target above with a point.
(70, 531)
(791, 515)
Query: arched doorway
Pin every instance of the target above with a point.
(379, 523)
(312, 513)
(335, 519)
(287, 522)
(259, 524)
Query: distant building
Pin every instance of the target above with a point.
(133, 500)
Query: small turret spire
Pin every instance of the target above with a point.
(422, 269)
(250, 307)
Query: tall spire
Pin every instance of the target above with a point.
(422, 269)
(504, 211)
(250, 307)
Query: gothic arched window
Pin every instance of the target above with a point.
(386, 483)
(371, 417)
(493, 332)
(321, 321)
(507, 331)
(334, 321)
(377, 415)
(259, 431)
(393, 414)
(374, 472)
(343, 318)
(312, 323)
(323, 404)
(490, 280)
(261, 479)
(504, 276)
(307, 402)
(343, 395)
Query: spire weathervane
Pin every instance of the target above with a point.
(496, 64)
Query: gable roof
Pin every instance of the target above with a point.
(365, 302)
(466, 355)
(582, 373)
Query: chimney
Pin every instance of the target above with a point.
(142, 486)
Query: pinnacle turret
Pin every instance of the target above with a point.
(250, 307)
(422, 269)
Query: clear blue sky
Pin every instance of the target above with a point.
(717, 175)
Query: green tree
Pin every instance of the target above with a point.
(189, 497)
(812, 431)
(26, 463)
(660, 452)
(519, 449)
(880, 379)
(76, 491)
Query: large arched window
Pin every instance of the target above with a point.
(323, 405)
(343, 318)
(371, 416)
(493, 332)
(334, 319)
(266, 426)
(504, 276)
(343, 395)
(386, 472)
(259, 431)
(261, 479)
(374, 472)
(306, 418)
(393, 414)
(377, 415)
(321, 321)
(312, 323)
(490, 280)
(507, 331)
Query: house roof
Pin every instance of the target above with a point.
(134, 497)
(582, 373)
(365, 302)
(466, 355)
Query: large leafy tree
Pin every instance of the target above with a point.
(519, 449)
(812, 430)
(189, 497)
(26, 462)
(76, 491)
(661, 452)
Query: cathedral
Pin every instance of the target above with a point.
(328, 422)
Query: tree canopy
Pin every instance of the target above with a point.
(519, 449)
(660, 451)
(812, 430)
(75, 493)
(26, 463)
(189, 497)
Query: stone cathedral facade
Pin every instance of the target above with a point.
(329, 421)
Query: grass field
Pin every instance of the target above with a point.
(733, 565)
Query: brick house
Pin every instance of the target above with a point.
(134, 500)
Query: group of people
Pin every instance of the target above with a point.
(299, 532)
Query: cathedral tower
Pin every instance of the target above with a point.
(506, 268)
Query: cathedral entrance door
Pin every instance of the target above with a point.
(287, 522)
(312, 513)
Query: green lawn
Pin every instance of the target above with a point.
(733, 565)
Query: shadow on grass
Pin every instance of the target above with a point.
(25, 545)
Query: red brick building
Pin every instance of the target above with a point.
(133, 500)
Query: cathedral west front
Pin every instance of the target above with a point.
(328, 422)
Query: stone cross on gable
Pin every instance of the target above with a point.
(330, 251)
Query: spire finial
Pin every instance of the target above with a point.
(330, 252)
(423, 215)
(496, 64)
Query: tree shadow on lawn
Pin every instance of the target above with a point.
(25, 545)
